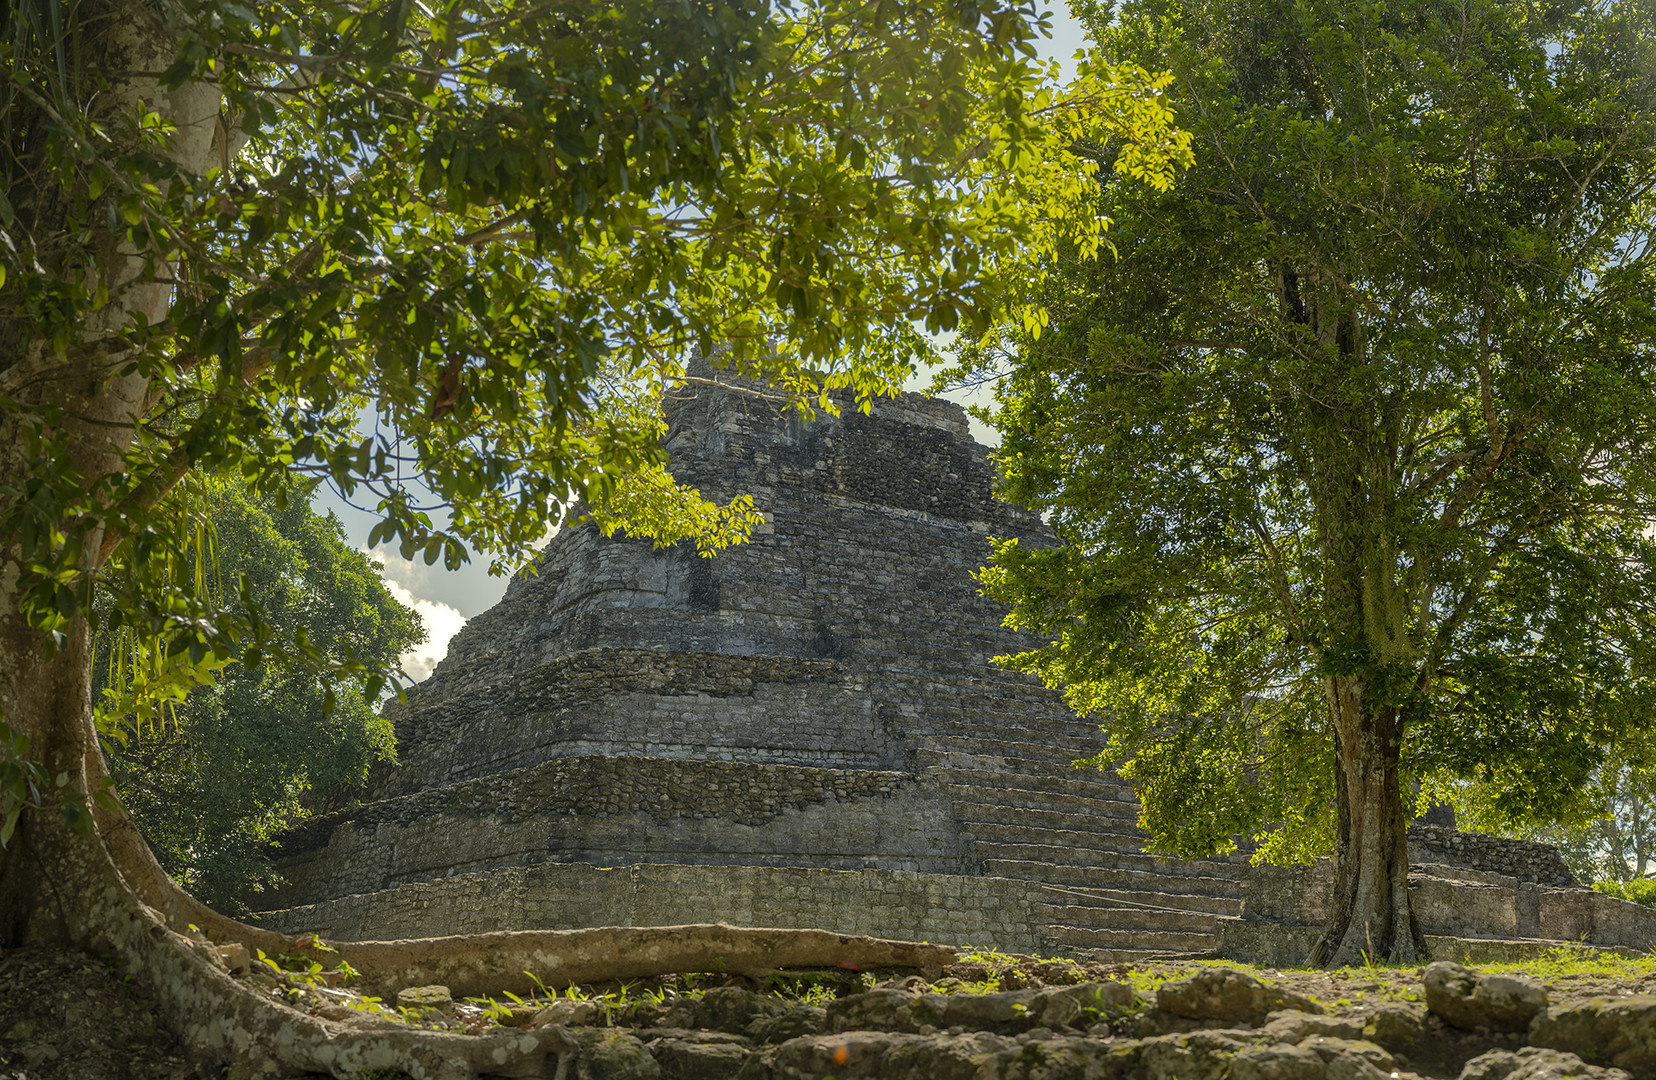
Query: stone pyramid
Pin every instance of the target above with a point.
(805, 730)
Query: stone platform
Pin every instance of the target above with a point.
(810, 718)
(803, 731)
(1470, 915)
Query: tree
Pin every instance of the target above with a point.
(1619, 844)
(1607, 837)
(1350, 445)
(229, 229)
(211, 778)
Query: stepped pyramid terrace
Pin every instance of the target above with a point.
(805, 730)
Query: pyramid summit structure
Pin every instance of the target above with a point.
(805, 730)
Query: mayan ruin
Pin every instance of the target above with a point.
(806, 730)
(480, 598)
(803, 730)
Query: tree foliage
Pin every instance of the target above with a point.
(1607, 839)
(212, 777)
(229, 229)
(500, 231)
(1350, 447)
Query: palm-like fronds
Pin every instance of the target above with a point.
(39, 46)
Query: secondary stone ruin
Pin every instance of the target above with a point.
(803, 731)
(1470, 915)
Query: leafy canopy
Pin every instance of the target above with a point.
(218, 773)
(469, 243)
(1366, 396)
(1607, 837)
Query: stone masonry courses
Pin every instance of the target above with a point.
(805, 730)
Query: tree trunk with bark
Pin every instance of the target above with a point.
(1370, 916)
(1370, 656)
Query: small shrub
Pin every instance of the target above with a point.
(1639, 890)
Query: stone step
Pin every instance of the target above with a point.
(912, 646)
(1070, 855)
(1059, 750)
(1151, 940)
(987, 716)
(1036, 708)
(1109, 834)
(1124, 918)
(988, 734)
(1056, 763)
(1075, 783)
(1164, 901)
(1015, 798)
(1074, 830)
(1109, 877)
(981, 693)
(973, 813)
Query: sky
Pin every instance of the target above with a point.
(446, 599)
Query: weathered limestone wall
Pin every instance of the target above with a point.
(841, 643)
(625, 810)
(649, 702)
(1447, 900)
(1284, 909)
(885, 903)
(797, 648)
(1521, 859)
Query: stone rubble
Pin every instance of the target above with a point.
(1003, 1018)
(1248, 1030)
(1216, 1023)
(1469, 1001)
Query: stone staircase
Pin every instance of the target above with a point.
(1027, 813)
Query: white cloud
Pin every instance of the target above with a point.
(468, 590)
(412, 574)
(442, 622)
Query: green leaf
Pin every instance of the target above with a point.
(77, 816)
(8, 826)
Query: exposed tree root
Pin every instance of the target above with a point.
(105, 891)
(222, 1019)
(489, 963)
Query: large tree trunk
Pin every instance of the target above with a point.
(1370, 917)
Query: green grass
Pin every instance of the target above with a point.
(1565, 962)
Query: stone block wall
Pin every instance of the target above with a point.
(1284, 907)
(648, 702)
(884, 903)
(1521, 859)
(618, 811)
(1461, 908)
(1279, 946)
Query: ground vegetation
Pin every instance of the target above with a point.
(983, 1013)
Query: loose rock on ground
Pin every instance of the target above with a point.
(66, 1016)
